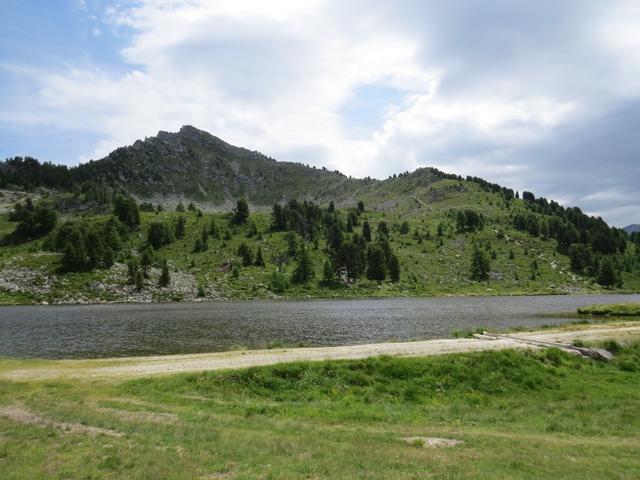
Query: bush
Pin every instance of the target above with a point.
(279, 282)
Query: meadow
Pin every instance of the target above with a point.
(518, 414)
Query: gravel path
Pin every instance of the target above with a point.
(162, 365)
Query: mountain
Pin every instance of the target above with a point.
(425, 232)
(199, 166)
(192, 164)
(633, 228)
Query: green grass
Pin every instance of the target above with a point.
(620, 309)
(428, 268)
(520, 414)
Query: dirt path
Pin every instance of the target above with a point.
(162, 365)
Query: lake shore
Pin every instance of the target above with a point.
(512, 411)
(132, 367)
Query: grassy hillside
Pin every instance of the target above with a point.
(531, 245)
(529, 414)
(430, 264)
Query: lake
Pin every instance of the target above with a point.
(93, 331)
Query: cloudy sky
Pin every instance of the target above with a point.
(541, 95)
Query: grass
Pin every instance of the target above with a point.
(520, 414)
(430, 265)
(618, 310)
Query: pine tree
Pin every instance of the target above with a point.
(291, 238)
(139, 280)
(253, 230)
(328, 272)
(180, 226)
(159, 234)
(245, 254)
(479, 264)
(146, 260)
(126, 209)
(241, 212)
(165, 278)
(335, 237)
(360, 206)
(132, 269)
(109, 257)
(366, 231)
(259, 262)
(376, 264)
(304, 270)
(205, 237)
(74, 256)
(349, 225)
(394, 268)
(278, 220)
(112, 236)
(350, 258)
(180, 207)
(382, 230)
(607, 276)
(404, 228)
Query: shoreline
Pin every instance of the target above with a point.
(135, 367)
(319, 298)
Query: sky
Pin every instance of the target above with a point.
(541, 96)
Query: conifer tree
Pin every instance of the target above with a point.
(245, 254)
(180, 226)
(132, 269)
(126, 209)
(146, 260)
(241, 212)
(328, 272)
(165, 277)
(376, 264)
(259, 262)
(366, 231)
(304, 270)
(607, 276)
(139, 280)
(479, 264)
(382, 229)
(394, 268)
(278, 221)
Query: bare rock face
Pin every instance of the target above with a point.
(26, 280)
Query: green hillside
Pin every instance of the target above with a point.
(449, 235)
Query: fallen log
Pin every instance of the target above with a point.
(595, 353)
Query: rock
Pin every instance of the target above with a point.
(431, 442)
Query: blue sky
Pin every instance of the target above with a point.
(539, 95)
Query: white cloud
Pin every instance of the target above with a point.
(481, 86)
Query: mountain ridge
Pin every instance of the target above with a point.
(440, 233)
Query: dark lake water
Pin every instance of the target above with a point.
(91, 331)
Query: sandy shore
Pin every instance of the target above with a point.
(168, 364)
